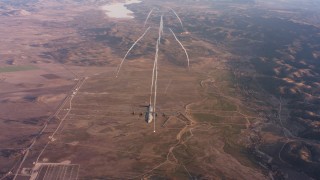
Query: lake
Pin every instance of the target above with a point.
(119, 10)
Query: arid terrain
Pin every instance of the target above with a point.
(247, 107)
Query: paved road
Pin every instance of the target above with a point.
(59, 108)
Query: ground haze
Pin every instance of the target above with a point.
(246, 108)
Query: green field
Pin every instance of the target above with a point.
(17, 68)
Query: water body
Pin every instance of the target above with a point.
(119, 10)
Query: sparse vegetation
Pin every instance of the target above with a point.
(253, 86)
(209, 118)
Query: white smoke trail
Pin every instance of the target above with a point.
(156, 71)
(145, 22)
(156, 57)
(151, 90)
(145, 32)
(155, 85)
(155, 74)
(181, 46)
(162, 26)
(160, 29)
(165, 92)
(177, 17)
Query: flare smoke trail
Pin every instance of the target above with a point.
(181, 46)
(152, 82)
(162, 25)
(160, 28)
(155, 75)
(165, 92)
(156, 57)
(145, 32)
(145, 22)
(155, 85)
(153, 70)
(177, 17)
